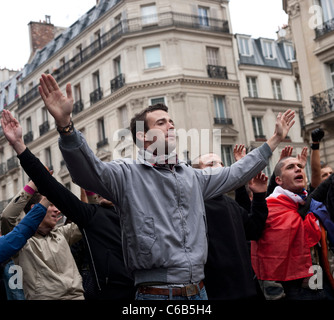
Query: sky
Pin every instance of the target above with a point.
(258, 18)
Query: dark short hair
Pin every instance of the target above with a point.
(141, 116)
(279, 165)
(36, 198)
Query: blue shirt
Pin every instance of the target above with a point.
(17, 238)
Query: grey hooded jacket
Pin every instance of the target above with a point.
(162, 210)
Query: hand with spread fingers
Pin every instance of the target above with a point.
(59, 105)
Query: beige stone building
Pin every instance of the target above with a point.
(311, 27)
(120, 57)
(267, 87)
(124, 55)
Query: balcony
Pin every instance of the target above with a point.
(322, 102)
(131, 26)
(28, 137)
(77, 107)
(44, 128)
(28, 97)
(117, 83)
(96, 96)
(12, 163)
(223, 121)
(3, 168)
(217, 72)
(102, 143)
(325, 28)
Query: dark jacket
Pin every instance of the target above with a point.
(228, 271)
(99, 226)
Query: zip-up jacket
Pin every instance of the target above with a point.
(99, 226)
(17, 238)
(161, 209)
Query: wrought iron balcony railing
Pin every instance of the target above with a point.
(322, 102)
(77, 107)
(129, 26)
(223, 121)
(102, 143)
(117, 83)
(326, 27)
(28, 137)
(96, 96)
(217, 72)
(12, 163)
(44, 128)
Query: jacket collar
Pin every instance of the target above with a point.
(146, 157)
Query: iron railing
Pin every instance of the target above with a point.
(322, 102)
(128, 26)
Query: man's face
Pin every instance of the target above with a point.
(325, 173)
(292, 176)
(51, 217)
(210, 160)
(161, 136)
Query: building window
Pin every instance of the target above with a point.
(157, 100)
(203, 16)
(152, 57)
(117, 66)
(212, 56)
(327, 9)
(252, 87)
(96, 80)
(257, 127)
(103, 140)
(48, 158)
(227, 155)
(244, 46)
(277, 92)
(289, 52)
(123, 111)
(149, 14)
(298, 91)
(267, 49)
(331, 68)
(29, 125)
(220, 109)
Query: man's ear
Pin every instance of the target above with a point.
(140, 135)
(278, 180)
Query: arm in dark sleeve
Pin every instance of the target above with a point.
(255, 221)
(76, 210)
(272, 185)
(242, 198)
(323, 193)
(17, 238)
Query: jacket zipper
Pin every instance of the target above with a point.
(91, 258)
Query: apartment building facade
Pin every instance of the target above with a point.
(267, 87)
(311, 26)
(120, 57)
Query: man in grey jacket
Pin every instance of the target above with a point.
(160, 201)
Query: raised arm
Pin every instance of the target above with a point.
(47, 185)
(59, 105)
(12, 242)
(282, 126)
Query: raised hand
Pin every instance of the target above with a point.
(12, 131)
(239, 151)
(302, 157)
(259, 183)
(284, 122)
(59, 106)
(286, 152)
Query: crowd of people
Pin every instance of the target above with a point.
(157, 228)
